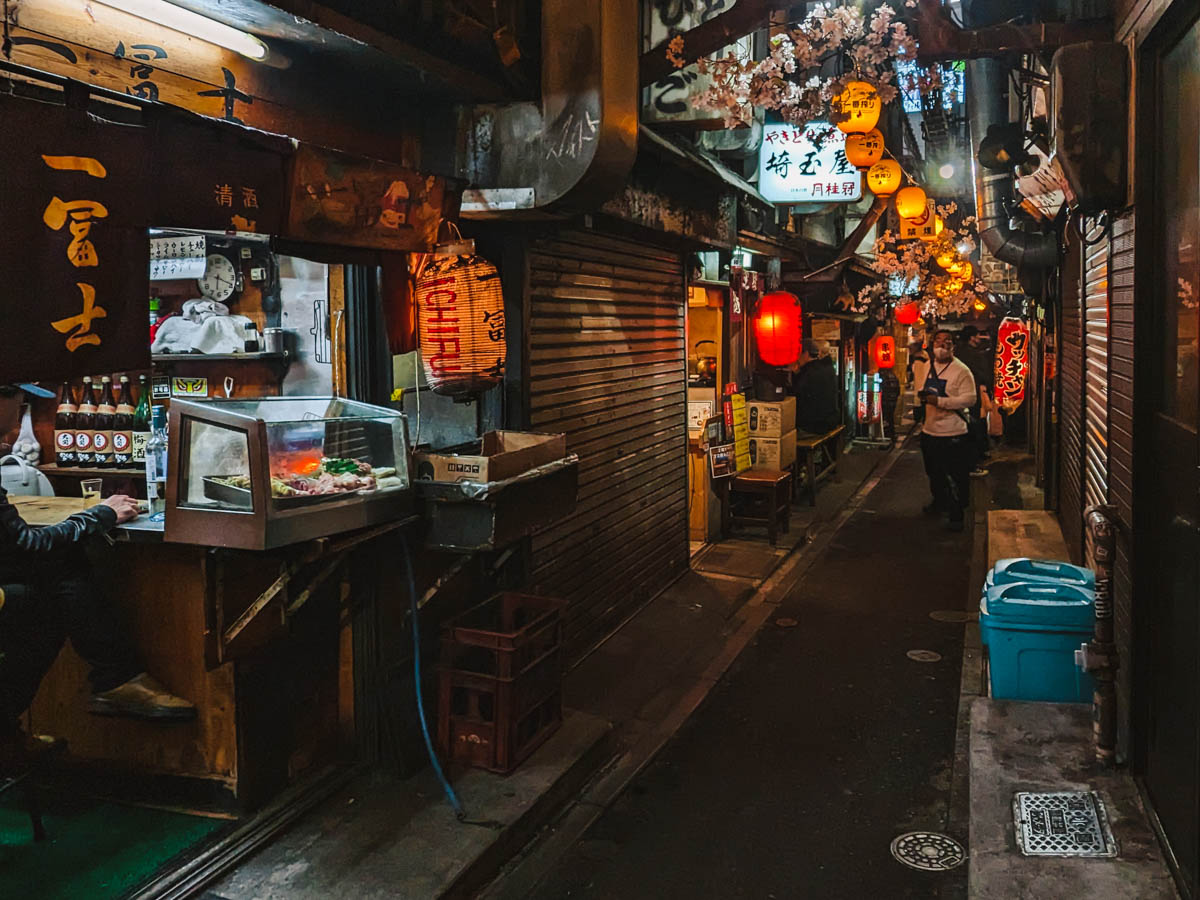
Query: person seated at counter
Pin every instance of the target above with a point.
(815, 387)
(47, 595)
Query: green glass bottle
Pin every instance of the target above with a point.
(141, 425)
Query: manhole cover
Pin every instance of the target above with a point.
(928, 850)
(1062, 823)
(924, 656)
(786, 623)
(953, 615)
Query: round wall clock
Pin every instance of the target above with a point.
(220, 278)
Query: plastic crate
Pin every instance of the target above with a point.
(504, 635)
(500, 681)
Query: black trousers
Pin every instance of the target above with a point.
(948, 462)
(49, 599)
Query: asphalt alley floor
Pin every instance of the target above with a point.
(822, 743)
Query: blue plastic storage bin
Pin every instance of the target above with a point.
(1032, 631)
(1012, 571)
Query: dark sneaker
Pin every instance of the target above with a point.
(19, 751)
(141, 697)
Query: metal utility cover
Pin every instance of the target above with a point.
(1063, 823)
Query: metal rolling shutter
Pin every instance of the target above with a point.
(1120, 457)
(607, 366)
(1095, 323)
(1070, 447)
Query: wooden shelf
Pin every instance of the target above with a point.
(219, 357)
(59, 472)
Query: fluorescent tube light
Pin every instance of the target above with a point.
(187, 22)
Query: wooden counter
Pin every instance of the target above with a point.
(272, 700)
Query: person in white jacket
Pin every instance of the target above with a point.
(946, 387)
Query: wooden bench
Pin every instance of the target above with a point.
(769, 495)
(818, 455)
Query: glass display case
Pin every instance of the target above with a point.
(262, 473)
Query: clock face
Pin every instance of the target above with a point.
(220, 278)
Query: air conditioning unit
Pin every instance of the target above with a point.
(1090, 87)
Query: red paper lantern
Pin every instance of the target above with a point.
(1012, 363)
(908, 313)
(884, 351)
(777, 329)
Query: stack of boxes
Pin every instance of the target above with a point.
(772, 429)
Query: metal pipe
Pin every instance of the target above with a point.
(1100, 656)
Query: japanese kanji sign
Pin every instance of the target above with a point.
(1012, 363)
(806, 164)
(75, 248)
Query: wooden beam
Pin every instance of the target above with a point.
(746, 17)
(941, 39)
(864, 226)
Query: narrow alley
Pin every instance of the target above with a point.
(824, 742)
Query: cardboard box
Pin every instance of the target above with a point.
(499, 455)
(772, 418)
(773, 453)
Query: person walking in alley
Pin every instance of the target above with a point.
(947, 390)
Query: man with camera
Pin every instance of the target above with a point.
(946, 389)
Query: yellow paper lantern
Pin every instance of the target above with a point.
(911, 203)
(980, 306)
(864, 150)
(460, 320)
(946, 259)
(859, 105)
(884, 178)
(961, 269)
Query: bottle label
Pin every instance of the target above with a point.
(102, 443)
(83, 441)
(66, 407)
(64, 441)
(122, 447)
(138, 445)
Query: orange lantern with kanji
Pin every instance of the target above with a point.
(1012, 363)
(864, 150)
(884, 178)
(908, 313)
(911, 203)
(961, 269)
(460, 320)
(883, 351)
(859, 105)
(777, 327)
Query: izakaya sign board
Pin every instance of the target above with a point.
(806, 164)
(1012, 363)
(74, 250)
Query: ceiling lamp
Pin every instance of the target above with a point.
(159, 12)
(859, 105)
(864, 150)
(911, 203)
(884, 178)
(777, 328)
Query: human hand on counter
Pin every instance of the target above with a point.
(126, 508)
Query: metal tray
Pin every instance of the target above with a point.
(241, 497)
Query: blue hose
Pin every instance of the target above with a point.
(459, 812)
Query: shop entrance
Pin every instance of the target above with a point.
(1169, 551)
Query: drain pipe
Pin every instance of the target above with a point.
(1099, 656)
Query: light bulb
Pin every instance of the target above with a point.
(947, 171)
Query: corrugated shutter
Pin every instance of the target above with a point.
(1095, 323)
(1070, 447)
(607, 366)
(1120, 457)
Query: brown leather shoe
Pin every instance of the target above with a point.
(141, 697)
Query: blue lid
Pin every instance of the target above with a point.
(1039, 603)
(1008, 571)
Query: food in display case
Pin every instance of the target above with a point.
(266, 472)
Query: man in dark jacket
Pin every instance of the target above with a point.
(47, 595)
(815, 386)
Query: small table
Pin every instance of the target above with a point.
(818, 453)
(770, 491)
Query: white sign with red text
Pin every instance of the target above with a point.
(806, 164)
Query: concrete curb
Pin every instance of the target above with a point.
(524, 874)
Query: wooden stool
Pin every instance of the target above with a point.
(818, 454)
(769, 489)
